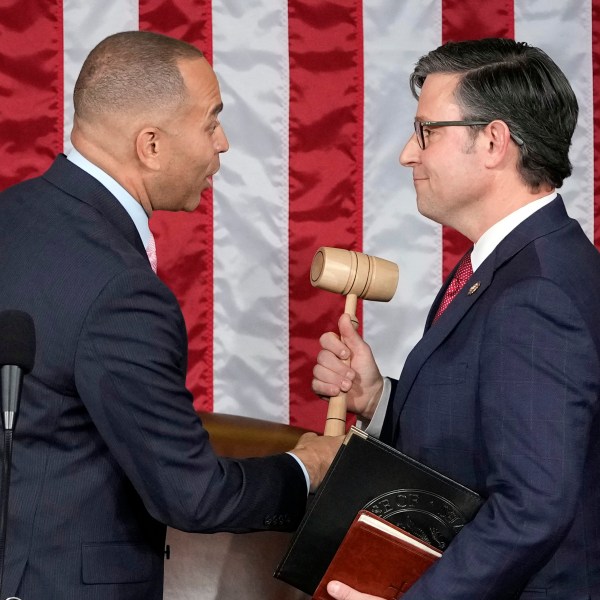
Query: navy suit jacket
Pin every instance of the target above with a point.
(108, 449)
(502, 394)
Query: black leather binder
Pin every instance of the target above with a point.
(369, 475)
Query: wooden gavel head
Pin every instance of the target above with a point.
(348, 272)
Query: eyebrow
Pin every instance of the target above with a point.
(216, 110)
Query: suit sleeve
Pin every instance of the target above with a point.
(130, 370)
(538, 391)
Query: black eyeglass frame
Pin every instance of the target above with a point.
(419, 125)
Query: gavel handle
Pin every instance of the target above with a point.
(336, 413)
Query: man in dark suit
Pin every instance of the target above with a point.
(502, 392)
(108, 449)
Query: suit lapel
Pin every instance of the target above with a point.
(77, 183)
(546, 220)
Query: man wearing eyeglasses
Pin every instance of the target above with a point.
(502, 392)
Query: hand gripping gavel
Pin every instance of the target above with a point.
(354, 275)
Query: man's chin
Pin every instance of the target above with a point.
(192, 206)
(189, 205)
(426, 211)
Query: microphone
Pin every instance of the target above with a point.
(17, 354)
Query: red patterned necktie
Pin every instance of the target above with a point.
(461, 276)
(151, 252)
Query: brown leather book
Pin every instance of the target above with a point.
(378, 558)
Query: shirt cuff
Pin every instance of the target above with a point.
(306, 477)
(375, 426)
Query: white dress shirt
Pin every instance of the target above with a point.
(130, 204)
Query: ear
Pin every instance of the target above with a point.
(148, 145)
(497, 138)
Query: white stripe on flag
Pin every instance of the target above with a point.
(563, 29)
(396, 34)
(251, 374)
(85, 24)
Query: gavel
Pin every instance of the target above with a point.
(354, 275)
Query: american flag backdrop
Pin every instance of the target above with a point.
(317, 109)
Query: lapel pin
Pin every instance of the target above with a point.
(473, 288)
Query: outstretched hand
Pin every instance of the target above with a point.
(317, 453)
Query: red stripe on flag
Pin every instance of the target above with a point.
(31, 88)
(596, 108)
(325, 171)
(185, 241)
(468, 20)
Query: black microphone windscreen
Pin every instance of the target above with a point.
(17, 339)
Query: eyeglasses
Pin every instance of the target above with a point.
(421, 125)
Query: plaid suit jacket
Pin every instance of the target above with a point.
(502, 394)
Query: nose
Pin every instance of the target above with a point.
(222, 144)
(411, 153)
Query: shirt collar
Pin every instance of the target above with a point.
(130, 204)
(487, 243)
